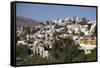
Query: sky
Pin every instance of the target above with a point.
(42, 12)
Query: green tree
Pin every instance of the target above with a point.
(47, 22)
(70, 53)
(79, 57)
(84, 21)
(36, 59)
(81, 34)
(22, 51)
(92, 56)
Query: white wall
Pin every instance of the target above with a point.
(5, 34)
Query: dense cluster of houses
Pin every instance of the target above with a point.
(42, 39)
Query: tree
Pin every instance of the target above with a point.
(92, 56)
(79, 57)
(17, 38)
(89, 26)
(47, 22)
(55, 34)
(81, 34)
(94, 32)
(27, 30)
(22, 51)
(70, 53)
(64, 50)
(84, 20)
(35, 59)
(65, 30)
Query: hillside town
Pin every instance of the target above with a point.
(40, 38)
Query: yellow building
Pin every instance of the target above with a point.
(93, 41)
(87, 44)
(87, 41)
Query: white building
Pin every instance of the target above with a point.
(21, 42)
